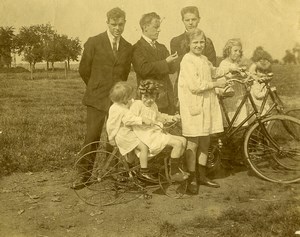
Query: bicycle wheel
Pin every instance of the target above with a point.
(272, 149)
(294, 113)
(171, 189)
(110, 180)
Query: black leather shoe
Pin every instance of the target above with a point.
(148, 177)
(209, 183)
(193, 188)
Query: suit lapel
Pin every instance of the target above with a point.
(184, 43)
(148, 47)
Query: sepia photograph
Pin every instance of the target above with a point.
(150, 118)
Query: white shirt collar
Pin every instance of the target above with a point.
(150, 41)
(112, 38)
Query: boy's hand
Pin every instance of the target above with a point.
(172, 57)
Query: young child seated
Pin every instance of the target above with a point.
(153, 136)
(119, 126)
(259, 69)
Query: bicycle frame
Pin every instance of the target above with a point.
(257, 113)
(231, 130)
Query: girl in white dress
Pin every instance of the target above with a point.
(199, 108)
(259, 70)
(232, 54)
(119, 126)
(153, 136)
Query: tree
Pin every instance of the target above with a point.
(296, 52)
(289, 57)
(33, 41)
(6, 45)
(53, 51)
(29, 42)
(41, 42)
(259, 53)
(71, 48)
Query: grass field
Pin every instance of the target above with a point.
(42, 121)
(42, 124)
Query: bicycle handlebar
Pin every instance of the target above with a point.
(249, 77)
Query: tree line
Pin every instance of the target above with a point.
(37, 43)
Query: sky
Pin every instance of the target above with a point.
(272, 24)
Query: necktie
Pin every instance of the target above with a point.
(115, 49)
(153, 44)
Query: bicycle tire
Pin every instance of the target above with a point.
(272, 148)
(110, 181)
(214, 159)
(294, 113)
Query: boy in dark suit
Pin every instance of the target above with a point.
(152, 60)
(190, 18)
(106, 59)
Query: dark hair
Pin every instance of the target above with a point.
(228, 46)
(194, 33)
(115, 13)
(259, 54)
(149, 87)
(120, 91)
(190, 9)
(147, 18)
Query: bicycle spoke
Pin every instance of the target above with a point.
(273, 151)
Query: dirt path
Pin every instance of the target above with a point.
(42, 204)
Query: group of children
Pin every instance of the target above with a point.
(131, 124)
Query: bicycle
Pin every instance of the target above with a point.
(114, 181)
(277, 106)
(271, 143)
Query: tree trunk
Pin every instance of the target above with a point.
(66, 69)
(47, 67)
(52, 65)
(69, 64)
(31, 71)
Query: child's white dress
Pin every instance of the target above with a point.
(232, 103)
(259, 90)
(199, 106)
(153, 135)
(119, 127)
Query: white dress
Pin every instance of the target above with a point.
(119, 128)
(232, 103)
(258, 90)
(199, 106)
(153, 135)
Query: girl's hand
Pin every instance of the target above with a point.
(234, 69)
(176, 117)
(147, 121)
(220, 82)
(112, 142)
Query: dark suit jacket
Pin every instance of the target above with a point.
(150, 63)
(100, 70)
